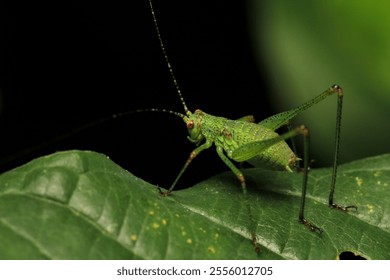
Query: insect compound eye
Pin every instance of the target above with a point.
(190, 124)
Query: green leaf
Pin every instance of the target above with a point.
(81, 205)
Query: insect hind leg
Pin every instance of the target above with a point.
(304, 131)
(332, 204)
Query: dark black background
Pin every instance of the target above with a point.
(65, 64)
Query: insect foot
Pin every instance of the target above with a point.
(342, 208)
(255, 244)
(163, 193)
(311, 226)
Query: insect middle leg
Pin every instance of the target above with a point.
(241, 178)
(235, 170)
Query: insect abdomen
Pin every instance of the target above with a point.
(237, 133)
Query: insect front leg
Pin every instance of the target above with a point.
(193, 154)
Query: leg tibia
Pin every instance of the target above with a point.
(193, 154)
(233, 168)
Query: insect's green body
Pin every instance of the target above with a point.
(229, 135)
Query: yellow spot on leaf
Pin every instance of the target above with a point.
(370, 208)
(211, 249)
(164, 222)
(133, 237)
(155, 225)
(359, 181)
(151, 212)
(189, 241)
(202, 230)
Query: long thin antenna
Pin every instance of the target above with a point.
(10, 159)
(188, 113)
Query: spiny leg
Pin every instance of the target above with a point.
(193, 154)
(233, 168)
(276, 121)
(248, 151)
(304, 131)
(306, 150)
(241, 178)
(339, 92)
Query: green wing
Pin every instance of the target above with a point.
(250, 150)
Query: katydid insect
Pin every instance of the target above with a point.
(243, 140)
(257, 143)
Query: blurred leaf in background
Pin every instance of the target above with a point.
(308, 46)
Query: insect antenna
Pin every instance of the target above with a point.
(8, 159)
(187, 112)
(24, 152)
(119, 115)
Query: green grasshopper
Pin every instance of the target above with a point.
(257, 143)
